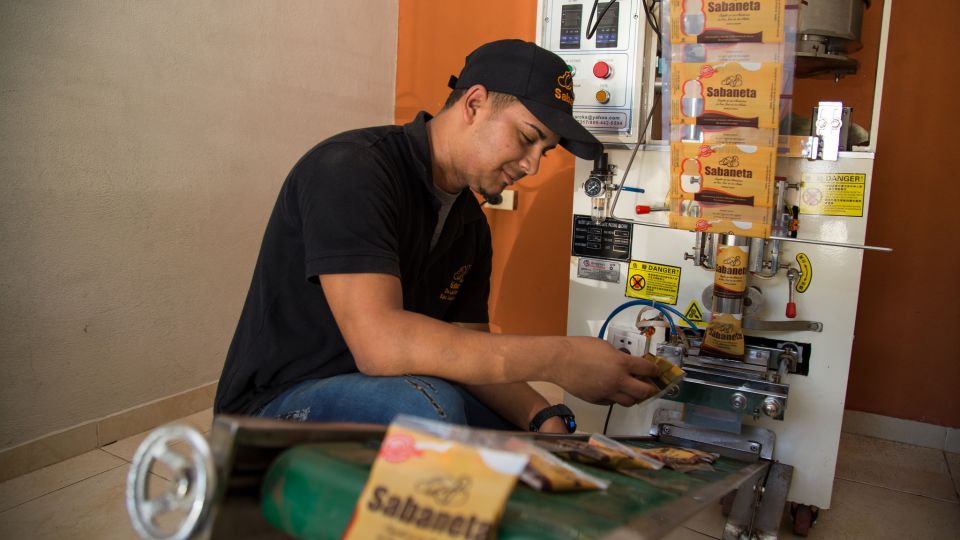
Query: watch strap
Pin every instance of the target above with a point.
(560, 410)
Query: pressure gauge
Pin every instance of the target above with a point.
(593, 187)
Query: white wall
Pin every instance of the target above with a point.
(143, 145)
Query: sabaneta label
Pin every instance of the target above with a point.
(731, 173)
(731, 92)
(424, 517)
(720, 7)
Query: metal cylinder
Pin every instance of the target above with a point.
(835, 23)
(757, 251)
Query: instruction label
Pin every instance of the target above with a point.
(610, 239)
(806, 272)
(599, 270)
(652, 281)
(824, 194)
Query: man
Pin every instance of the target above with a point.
(376, 245)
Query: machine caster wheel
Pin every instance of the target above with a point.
(180, 511)
(726, 503)
(804, 516)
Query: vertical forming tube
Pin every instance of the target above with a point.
(730, 305)
(757, 251)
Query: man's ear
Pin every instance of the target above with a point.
(474, 100)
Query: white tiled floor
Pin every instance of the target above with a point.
(882, 490)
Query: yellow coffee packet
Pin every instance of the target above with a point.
(683, 459)
(727, 94)
(725, 174)
(546, 472)
(623, 456)
(668, 373)
(724, 188)
(726, 21)
(684, 456)
(724, 337)
(433, 480)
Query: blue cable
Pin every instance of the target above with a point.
(666, 310)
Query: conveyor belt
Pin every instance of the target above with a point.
(313, 475)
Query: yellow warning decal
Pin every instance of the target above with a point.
(806, 272)
(825, 194)
(695, 314)
(652, 281)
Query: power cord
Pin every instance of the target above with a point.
(592, 31)
(652, 21)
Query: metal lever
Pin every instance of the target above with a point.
(793, 275)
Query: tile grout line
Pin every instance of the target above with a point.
(14, 507)
(938, 499)
(956, 484)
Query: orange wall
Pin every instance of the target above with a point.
(434, 38)
(906, 361)
(905, 298)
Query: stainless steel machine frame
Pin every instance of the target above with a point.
(826, 256)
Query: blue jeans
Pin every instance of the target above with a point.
(356, 397)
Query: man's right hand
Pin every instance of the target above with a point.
(598, 373)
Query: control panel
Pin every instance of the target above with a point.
(605, 65)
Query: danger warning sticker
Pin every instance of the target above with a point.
(826, 194)
(695, 313)
(652, 281)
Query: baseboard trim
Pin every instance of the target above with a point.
(73, 441)
(900, 430)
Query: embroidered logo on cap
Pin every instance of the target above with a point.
(564, 92)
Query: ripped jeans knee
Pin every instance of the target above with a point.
(356, 397)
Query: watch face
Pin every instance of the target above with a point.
(593, 186)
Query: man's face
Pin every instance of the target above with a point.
(505, 145)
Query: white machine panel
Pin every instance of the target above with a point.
(606, 81)
(809, 435)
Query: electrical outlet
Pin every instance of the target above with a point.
(509, 201)
(626, 338)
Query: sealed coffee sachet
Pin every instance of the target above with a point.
(433, 480)
(623, 456)
(668, 374)
(546, 472)
(683, 459)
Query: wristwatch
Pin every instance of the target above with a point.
(561, 410)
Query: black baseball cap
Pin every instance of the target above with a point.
(539, 79)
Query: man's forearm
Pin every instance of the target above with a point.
(516, 402)
(426, 346)
(387, 340)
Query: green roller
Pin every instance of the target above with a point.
(310, 492)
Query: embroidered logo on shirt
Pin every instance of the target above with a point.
(450, 292)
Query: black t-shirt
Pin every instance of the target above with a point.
(358, 202)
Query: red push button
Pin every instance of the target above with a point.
(602, 70)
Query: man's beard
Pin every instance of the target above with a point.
(491, 199)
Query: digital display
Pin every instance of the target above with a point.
(570, 20)
(607, 28)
